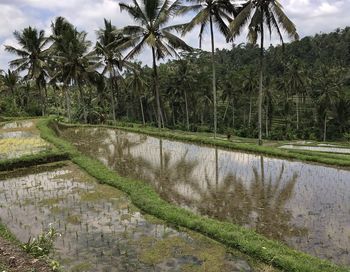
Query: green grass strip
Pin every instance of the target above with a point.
(8, 235)
(31, 160)
(143, 196)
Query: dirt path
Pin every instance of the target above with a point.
(13, 259)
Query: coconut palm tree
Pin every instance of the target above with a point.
(327, 91)
(70, 52)
(258, 15)
(296, 82)
(138, 84)
(219, 12)
(110, 42)
(153, 17)
(32, 58)
(9, 82)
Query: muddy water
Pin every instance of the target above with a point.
(20, 138)
(101, 230)
(306, 206)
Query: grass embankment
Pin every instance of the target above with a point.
(31, 160)
(341, 160)
(48, 156)
(143, 196)
(6, 234)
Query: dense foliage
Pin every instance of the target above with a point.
(305, 93)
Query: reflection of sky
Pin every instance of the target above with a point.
(108, 236)
(321, 197)
(319, 202)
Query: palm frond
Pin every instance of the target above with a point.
(237, 25)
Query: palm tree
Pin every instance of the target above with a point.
(32, 57)
(9, 83)
(210, 12)
(328, 85)
(70, 52)
(109, 45)
(259, 14)
(296, 82)
(249, 84)
(152, 17)
(138, 84)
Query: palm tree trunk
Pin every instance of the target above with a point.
(142, 113)
(297, 109)
(82, 102)
(224, 117)
(156, 90)
(266, 122)
(187, 117)
(214, 73)
(41, 100)
(261, 82)
(14, 98)
(112, 94)
(250, 111)
(233, 113)
(325, 127)
(66, 94)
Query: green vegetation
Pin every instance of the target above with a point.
(6, 234)
(42, 245)
(296, 91)
(143, 196)
(30, 160)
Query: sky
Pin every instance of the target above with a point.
(309, 16)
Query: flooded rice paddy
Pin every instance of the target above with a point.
(20, 138)
(321, 148)
(304, 205)
(100, 229)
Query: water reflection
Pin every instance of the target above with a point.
(307, 206)
(101, 230)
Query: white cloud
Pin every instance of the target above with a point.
(310, 17)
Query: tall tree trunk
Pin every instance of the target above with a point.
(111, 93)
(142, 113)
(82, 101)
(297, 109)
(250, 111)
(156, 90)
(214, 73)
(41, 100)
(266, 122)
(14, 98)
(233, 113)
(226, 108)
(187, 116)
(325, 127)
(261, 82)
(66, 94)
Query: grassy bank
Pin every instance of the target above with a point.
(142, 195)
(6, 234)
(340, 160)
(31, 160)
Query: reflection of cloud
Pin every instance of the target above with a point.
(316, 197)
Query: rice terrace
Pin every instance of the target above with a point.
(175, 135)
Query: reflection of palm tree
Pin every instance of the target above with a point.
(261, 205)
(167, 176)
